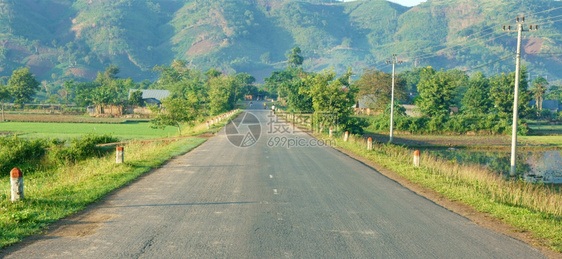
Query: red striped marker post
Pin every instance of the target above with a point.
(16, 179)
(370, 144)
(208, 125)
(417, 158)
(119, 155)
(346, 136)
(331, 132)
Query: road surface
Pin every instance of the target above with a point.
(268, 201)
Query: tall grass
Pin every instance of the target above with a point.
(529, 207)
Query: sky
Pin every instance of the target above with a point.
(402, 2)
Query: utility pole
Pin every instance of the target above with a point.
(393, 61)
(520, 22)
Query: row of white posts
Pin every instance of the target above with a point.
(370, 146)
(220, 118)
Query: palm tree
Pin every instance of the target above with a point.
(539, 89)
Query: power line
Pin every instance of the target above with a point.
(489, 63)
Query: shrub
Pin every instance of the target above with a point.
(80, 148)
(462, 123)
(17, 152)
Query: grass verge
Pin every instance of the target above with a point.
(528, 207)
(57, 193)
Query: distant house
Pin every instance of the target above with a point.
(365, 105)
(553, 105)
(152, 97)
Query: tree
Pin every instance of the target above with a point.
(136, 98)
(476, 99)
(554, 93)
(332, 96)
(4, 96)
(175, 73)
(297, 92)
(174, 112)
(244, 82)
(376, 86)
(212, 73)
(437, 91)
(273, 84)
(540, 85)
(411, 78)
(502, 94)
(221, 94)
(23, 86)
(295, 58)
(109, 75)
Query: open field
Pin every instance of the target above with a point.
(34, 117)
(546, 129)
(124, 131)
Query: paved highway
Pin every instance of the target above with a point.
(268, 201)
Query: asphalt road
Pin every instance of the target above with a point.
(268, 201)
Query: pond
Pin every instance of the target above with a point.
(534, 166)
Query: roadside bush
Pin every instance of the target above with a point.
(21, 153)
(80, 148)
(436, 124)
(356, 125)
(461, 124)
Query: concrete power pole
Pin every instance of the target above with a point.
(520, 22)
(394, 61)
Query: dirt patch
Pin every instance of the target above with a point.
(533, 46)
(201, 47)
(39, 64)
(84, 225)
(80, 72)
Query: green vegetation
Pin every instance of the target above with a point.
(451, 102)
(124, 131)
(528, 207)
(56, 192)
(22, 86)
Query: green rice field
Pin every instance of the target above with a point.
(124, 131)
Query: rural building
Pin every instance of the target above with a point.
(151, 97)
(365, 104)
(553, 105)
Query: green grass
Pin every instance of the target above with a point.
(525, 206)
(125, 131)
(542, 140)
(54, 194)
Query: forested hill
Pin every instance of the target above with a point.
(61, 39)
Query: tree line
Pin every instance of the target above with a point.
(448, 101)
(452, 101)
(193, 94)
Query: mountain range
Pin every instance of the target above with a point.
(74, 39)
